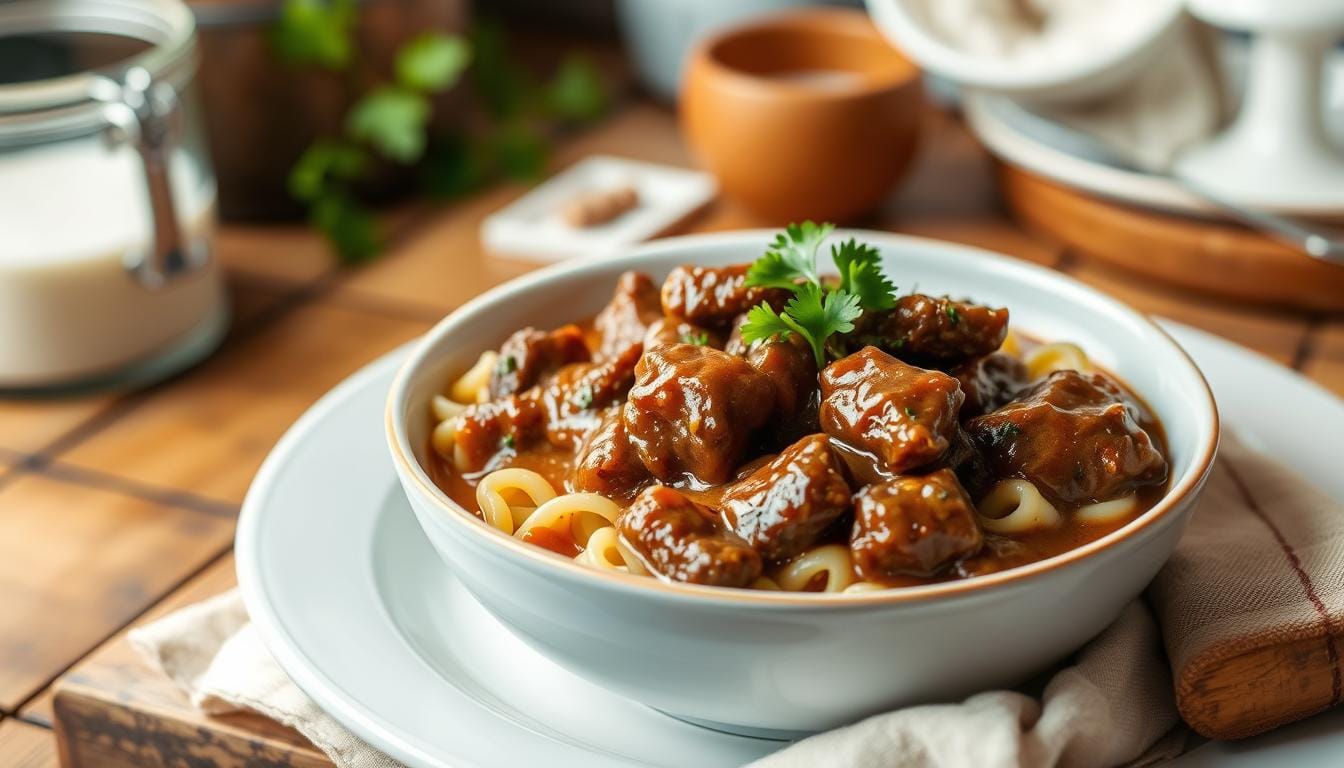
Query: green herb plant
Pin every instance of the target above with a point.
(390, 120)
(819, 308)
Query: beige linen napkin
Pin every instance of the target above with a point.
(1256, 585)
(214, 655)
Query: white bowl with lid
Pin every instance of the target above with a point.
(770, 662)
(1106, 54)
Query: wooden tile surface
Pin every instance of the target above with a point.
(208, 433)
(77, 563)
(1276, 334)
(84, 698)
(115, 656)
(23, 745)
(1325, 363)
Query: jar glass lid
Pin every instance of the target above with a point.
(159, 35)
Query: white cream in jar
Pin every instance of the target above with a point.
(72, 216)
(91, 289)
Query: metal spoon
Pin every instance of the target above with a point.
(1309, 239)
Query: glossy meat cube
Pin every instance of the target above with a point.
(713, 296)
(1076, 436)
(680, 540)
(895, 415)
(692, 412)
(528, 355)
(781, 508)
(914, 525)
(623, 322)
(933, 331)
(606, 463)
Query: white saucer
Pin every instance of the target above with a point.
(1020, 138)
(358, 610)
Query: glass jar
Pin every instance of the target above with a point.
(107, 199)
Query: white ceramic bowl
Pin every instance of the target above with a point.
(788, 662)
(1102, 71)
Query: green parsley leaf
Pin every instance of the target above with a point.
(455, 164)
(393, 120)
(508, 442)
(860, 270)
(497, 80)
(432, 62)
(350, 228)
(506, 365)
(763, 323)
(698, 339)
(519, 152)
(318, 33)
(322, 162)
(953, 314)
(576, 92)
(791, 258)
(811, 313)
(821, 315)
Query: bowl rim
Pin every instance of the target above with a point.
(945, 60)
(403, 454)
(812, 20)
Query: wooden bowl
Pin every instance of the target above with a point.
(804, 115)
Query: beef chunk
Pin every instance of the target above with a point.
(490, 433)
(735, 345)
(933, 331)
(692, 411)
(680, 540)
(989, 382)
(914, 525)
(624, 321)
(1076, 436)
(574, 396)
(781, 508)
(969, 464)
(792, 371)
(529, 354)
(901, 416)
(669, 330)
(606, 463)
(713, 296)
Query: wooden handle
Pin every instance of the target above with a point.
(1248, 693)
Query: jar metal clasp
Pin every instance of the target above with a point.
(144, 114)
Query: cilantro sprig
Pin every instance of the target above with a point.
(817, 310)
(390, 119)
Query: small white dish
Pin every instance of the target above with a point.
(533, 228)
(1093, 70)
(360, 612)
(1017, 136)
(758, 654)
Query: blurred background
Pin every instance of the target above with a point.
(1193, 145)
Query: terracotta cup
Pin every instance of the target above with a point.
(803, 115)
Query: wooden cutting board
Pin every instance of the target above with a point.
(1205, 255)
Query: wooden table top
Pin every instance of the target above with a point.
(115, 509)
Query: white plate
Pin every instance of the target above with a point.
(358, 610)
(1023, 139)
(532, 228)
